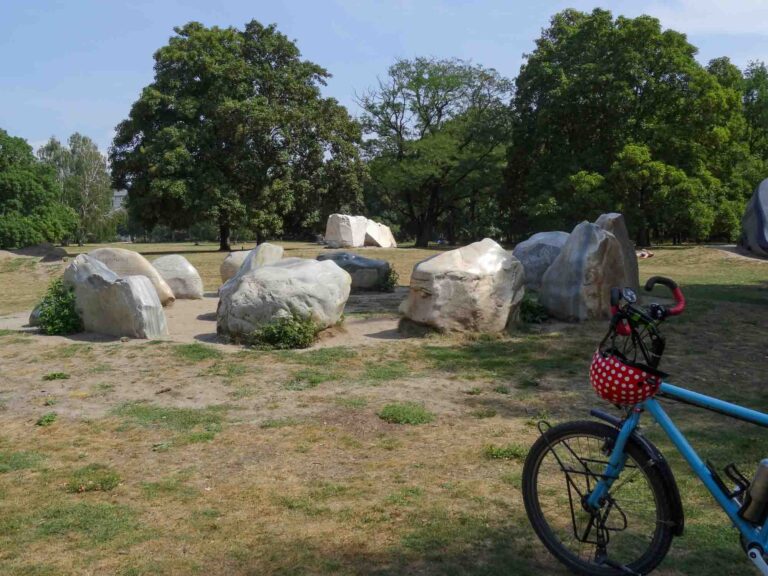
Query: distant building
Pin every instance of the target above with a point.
(118, 199)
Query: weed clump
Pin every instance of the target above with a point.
(93, 478)
(57, 310)
(389, 282)
(56, 376)
(46, 419)
(508, 452)
(406, 413)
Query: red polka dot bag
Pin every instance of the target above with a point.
(622, 382)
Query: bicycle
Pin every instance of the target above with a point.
(599, 495)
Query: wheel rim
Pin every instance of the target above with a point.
(625, 532)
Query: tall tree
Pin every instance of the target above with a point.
(437, 133)
(84, 181)
(30, 208)
(595, 85)
(233, 128)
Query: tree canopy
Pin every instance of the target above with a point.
(616, 113)
(84, 181)
(31, 210)
(234, 128)
(438, 131)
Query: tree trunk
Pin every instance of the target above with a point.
(223, 235)
(424, 233)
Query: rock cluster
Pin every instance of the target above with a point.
(345, 231)
(115, 305)
(476, 288)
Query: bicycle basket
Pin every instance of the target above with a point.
(624, 367)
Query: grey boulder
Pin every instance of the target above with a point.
(577, 284)
(129, 263)
(181, 276)
(476, 288)
(366, 273)
(754, 223)
(614, 223)
(537, 254)
(114, 305)
(298, 287)
(262, 255)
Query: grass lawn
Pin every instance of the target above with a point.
(403, 458)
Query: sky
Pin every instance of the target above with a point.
(77, 65)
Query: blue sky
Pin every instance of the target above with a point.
(77, 65)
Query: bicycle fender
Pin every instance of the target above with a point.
(656, 459)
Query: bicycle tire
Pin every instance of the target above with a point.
(662, 537)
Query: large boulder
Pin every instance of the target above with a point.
(477, 288)
(537, 254)
(366, 273)
(754, 224)
(291, 287)
(129, 263)
(114, 305)
(344, 231)
(181, 276)
(379, 235)
(262, 255)
(614, 223)
(577, 285)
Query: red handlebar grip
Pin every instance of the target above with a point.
(680, 302)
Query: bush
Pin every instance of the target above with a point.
(285, 334)
(389, 283)
(57, 310)
(531, 311)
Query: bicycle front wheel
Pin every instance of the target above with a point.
(631, 532)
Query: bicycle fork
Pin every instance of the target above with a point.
(615, 463)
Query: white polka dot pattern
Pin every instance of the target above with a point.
(619, 383)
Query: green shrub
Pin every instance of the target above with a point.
(406, 413)
(531, 311)
(389, 282)
(285, 334)
(46, 419)
(56, 376)
(57, 310)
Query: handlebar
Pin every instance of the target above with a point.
(679, 306)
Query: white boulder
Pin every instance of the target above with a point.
(181, 276)
(577, 285)
(291, 287)
(344, 231)
(476, 288)
(537, 254)
(262, 255)
(614, 223)
(129, 263)
(379, 235)
(114, 305)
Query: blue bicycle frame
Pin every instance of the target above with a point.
(753, 535)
